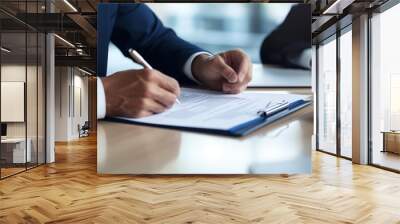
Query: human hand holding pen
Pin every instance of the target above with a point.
(229, 71)
(139, 93)
(140, 60)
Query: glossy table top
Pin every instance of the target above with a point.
(279, 148)
(273, 76)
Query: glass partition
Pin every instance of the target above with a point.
(14, 151)
(22, 92)
(35, 88)
(32, 97)
(326, 132)
(41, 97)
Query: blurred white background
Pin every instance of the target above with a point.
(221, 26)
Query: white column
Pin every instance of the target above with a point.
(360, 90)
(50, 98)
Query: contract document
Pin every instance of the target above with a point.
(215, 111)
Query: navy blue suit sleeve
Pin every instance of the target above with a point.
(286, 43)
(137, 27)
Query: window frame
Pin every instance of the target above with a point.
(335, 36)
(378, 10)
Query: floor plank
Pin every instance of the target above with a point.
(70, 191)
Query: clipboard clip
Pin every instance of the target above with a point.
(273, 109)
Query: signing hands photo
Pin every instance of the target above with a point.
(143, 92)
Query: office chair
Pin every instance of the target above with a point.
(84, 130)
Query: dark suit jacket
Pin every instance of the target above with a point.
(136, 26)
(288, 40)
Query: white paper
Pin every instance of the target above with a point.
(214, 110)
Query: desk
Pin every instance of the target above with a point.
(281, 147)
(391, 141)
(274, 76)
(16, 154)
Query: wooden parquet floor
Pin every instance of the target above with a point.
(70, 191)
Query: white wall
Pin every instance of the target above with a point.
(71, 94)
(12, 73)
(61, 104)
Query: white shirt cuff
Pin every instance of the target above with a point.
(304, 60)
(101, 100)
(187, 68)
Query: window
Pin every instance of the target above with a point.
(385, 89)
(346, 93)
(334, 106)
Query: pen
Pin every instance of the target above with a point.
(268, 111)
(140, 60)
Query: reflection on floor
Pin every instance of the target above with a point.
(70, 191)
(12, 169)
(346, 152)
(386, 159)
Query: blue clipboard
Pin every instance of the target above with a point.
(239, 130)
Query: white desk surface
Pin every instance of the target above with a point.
(13, 140)
(281, 147)
(273, 76)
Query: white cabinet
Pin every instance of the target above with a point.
(15, 148)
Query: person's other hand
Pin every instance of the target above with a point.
(139, 93)
(229, 71)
